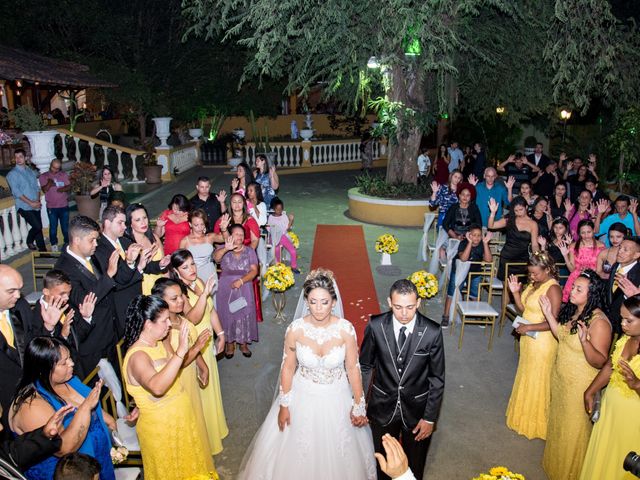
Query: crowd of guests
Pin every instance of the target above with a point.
(171, 298)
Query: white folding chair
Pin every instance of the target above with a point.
(426, 248)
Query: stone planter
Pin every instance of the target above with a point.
(153, 173)
(306, 134)
(42, 148)
(163, 129)
(386, 211)
(195, 133)
(89, 207)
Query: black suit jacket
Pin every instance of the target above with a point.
(128, 280)
(544, 161)
(11, 358)
(25, 451)
(616, 299)
(411, 381)
(98, 338)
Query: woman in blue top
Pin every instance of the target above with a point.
(446, 195)
(267, 177)
(47, 384)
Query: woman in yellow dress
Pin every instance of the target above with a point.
(139, 231)
(198, 309)
(528, 409)
(169, 442)
(584, 336)
(617, 432)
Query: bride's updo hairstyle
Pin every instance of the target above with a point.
(319, 278)
(141, 309)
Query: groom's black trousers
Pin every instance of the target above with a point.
(416, 451)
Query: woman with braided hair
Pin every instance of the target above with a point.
(169, 442)
(584, 336)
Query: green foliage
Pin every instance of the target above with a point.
(625, 142)
(26, 119)
(376, 186)
(389, 115)
(500, 137)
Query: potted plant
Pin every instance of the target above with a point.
(40, 140)
(196, 127)
(82, 178)
(152, 171)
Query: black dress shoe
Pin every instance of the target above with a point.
(32, 246)
(246, 354)
(229, 355)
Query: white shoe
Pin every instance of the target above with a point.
(54, 248)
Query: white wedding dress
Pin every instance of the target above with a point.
(320, 443)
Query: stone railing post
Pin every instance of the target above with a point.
(306, 153)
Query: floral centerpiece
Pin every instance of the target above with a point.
(499, 473)
(387, 245)
(294, 238)
(278, 278)
(425, 282)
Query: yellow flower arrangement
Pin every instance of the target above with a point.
(279, 277)
(499, 473)
(294, 238)
(425, 282)
(387, 243)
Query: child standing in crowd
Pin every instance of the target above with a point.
(281, 239)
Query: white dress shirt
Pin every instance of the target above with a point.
(397, 326)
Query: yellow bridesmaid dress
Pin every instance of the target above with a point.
(211, 396)
(569, 425)
(618, 431)
(189, 380)
(149, 279)
(528, 409)
(169, 442)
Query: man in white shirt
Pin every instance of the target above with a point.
(402, 362)
(626, 267)
(424, 165)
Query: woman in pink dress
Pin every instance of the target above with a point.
(582, 254)
(582, 210)
(173, 223)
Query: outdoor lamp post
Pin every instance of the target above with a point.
(500, 110)
(565, 115)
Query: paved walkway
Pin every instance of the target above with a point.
(471, 435)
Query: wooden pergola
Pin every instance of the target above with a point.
(27, 77)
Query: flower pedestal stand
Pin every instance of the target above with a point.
(279, 302)
(386, 259)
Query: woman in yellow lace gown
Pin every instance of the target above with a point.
(528, 409)
(169, 442)
(198, 309)
(617, 432)
(139, 231)
(584, 337)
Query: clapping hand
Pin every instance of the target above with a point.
(183, 342)
(164, 263)
(161, 222)
(133, 252)
(91, 401)
(202, 340)
(514, 284)
(88, 305)
(54, 425)
(396, 463)
(628, 374)
(627, 286)
(473, 180)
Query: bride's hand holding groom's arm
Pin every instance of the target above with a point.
(352, 366)
(289, 362)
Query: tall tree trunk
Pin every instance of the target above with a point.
(407, 87)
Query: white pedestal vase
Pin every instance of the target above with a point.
(386, 259)
(42, 148)
(195, 133)
(306, 134)
(163, 129)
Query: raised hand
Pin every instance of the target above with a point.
(542, 241)
(51, 315)
(511, 181)
(221, 196)
(511, 158)
(473, 180)
(183, 342)
(91, 400)
(564, 248)
(112, 267)
(514, 284)
(493, 205)
(54, 426)
(435, 186)
(229, 244)
(569, 164)
(487, 237)
(133, 252)
(396, 463)
(225, 220)
(593, 210)
(627, 286)
(66, 325)
(633, 207)
(567, 205)
(545, 305)
(235, 183)
(603, 206)
(88, 305)
(563, 157)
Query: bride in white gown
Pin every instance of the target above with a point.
(314, 429)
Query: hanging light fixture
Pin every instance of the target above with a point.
(18, 83)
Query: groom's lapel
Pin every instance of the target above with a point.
(390, 340)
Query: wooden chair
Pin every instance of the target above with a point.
(41, 263)
(477, 312)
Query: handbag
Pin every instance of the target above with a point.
(236, 305)
(597, 403)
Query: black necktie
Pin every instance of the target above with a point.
(402, 338)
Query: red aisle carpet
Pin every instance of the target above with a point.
(342, 249)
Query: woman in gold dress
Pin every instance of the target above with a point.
(169, 442)
(584, 336)
(617, 432)
(198, 309)
(140, 232)
(528, 409)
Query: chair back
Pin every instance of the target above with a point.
(41, 263)
(485, 272)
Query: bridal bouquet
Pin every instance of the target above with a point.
(425, 282)
(387, 243)
(294, 238)
(119, 454)
(499, 473)
(279, 277)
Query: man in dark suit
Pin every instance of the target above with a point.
(626, 266)
(128, 277)
(538, 158)
(96, 337)
(403, 351)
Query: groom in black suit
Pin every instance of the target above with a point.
(626, 266)
(403, 351)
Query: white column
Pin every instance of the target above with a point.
(6, 240)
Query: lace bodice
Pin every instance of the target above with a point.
(321, 351)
